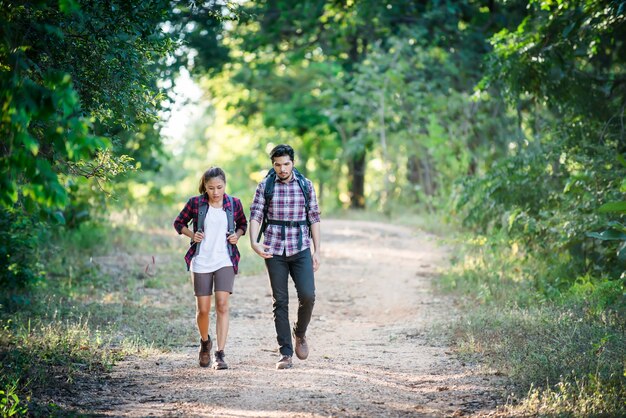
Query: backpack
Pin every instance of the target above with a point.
(202, 211)
(268, 194)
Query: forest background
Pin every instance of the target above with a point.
(498, 125)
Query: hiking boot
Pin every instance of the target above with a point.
(302, 348)
(284, 362)
(219, 363)
(205, 352)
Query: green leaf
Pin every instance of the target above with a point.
(58, 216)
(29, 142)
(568, 29)
(68, 6)
(608, 235)
(621, 252)
(613, 207)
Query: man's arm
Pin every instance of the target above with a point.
(316, 234)
(258, 248)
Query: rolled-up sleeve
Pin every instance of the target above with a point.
(256, 208)
(183, 217)
(314, 209)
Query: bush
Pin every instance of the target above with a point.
(10, 402)
(562, 347)
(20, 235)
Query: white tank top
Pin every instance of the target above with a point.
(213, 254)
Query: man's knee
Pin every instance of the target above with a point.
(306, 299)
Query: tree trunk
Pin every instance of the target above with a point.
(356, 170)
(383, 145)
(420, 172)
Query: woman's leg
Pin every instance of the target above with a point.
(221, 311)
(203, 307)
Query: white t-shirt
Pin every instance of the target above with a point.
(213, 254)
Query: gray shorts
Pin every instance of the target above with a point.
(223, 279)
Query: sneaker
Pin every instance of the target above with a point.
(302, 348)
(205, 352)
(284, 362)
(219, 363)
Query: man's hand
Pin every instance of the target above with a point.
(262, 250)
(316, 261)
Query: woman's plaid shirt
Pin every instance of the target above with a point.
(190, 213)
(287, 205)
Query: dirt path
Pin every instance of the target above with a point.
(370, 355)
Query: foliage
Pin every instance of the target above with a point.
(20, 235)
(310, 66)
(560, 344)
(570, 358)
(425, 132)
(10, 402)
(75, 77)
(95, 308)
(545, 263)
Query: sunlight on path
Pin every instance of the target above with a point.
(371, 350)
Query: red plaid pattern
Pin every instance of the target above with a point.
(190, 213)
(287, 205)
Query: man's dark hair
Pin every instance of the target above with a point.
(282, 150)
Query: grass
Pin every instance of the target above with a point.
(110, 291)
(123, 289)
(10, 404)
(562, 347)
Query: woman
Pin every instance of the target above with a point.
(213, 256)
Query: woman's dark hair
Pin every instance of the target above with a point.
(281, 150)
(211, 173)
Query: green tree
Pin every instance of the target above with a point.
(562, 69)
(281, 41)
(76, 78)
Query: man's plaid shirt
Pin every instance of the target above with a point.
(190, 213)
(287, 205)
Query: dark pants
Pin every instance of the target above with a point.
(300, 266)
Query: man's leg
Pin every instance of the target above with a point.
(301, 268)
(278, 271)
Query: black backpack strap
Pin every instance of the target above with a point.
(289, 224)
(268, 194)
(230, 215)
(230, 218)
(304, 186)
(203, 207)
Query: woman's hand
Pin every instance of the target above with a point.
(233, 238)
(198, 236)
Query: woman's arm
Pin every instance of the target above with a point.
(183, 219)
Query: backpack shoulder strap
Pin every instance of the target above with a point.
(203, 207)
(304, 186)
(231, 222)
(268, 194)
(230, 214)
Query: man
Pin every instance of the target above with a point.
(285, 209)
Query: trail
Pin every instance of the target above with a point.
(370, 352)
